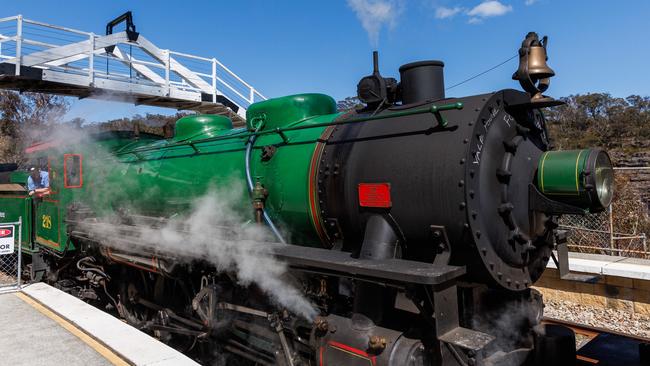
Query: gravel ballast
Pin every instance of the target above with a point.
(615, 320)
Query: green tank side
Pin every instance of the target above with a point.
(15, 206)
(165, 177)
(19, 177)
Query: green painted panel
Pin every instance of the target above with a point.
(167, 177)
(19, 177)
(13, 207)
(560, 172)
(48, 225)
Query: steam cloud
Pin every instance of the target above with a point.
(376, 14)
(214, 229)
(243, 253)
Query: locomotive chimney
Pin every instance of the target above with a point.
(422, 81)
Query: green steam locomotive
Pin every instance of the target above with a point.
(407, 227)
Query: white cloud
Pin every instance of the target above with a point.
(477, 14)
(487, 9)
(530, 2)
(376, 14)
(444, 12)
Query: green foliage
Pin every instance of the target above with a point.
(26, 118)
(156, 124)
(348, 103)
(598, 119)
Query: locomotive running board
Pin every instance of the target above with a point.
(332, 262)
(386, 270)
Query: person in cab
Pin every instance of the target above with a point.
(38, 182)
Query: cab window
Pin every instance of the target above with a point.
(72, 171)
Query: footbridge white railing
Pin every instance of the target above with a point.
(41, 57)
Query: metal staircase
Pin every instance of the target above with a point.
(122, 66)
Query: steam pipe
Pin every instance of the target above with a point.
(249, 183)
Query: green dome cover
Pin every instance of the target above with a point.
(199, 125)
(280, 112)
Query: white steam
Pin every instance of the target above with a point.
(243, 252)
(375, 15)
(214, 229)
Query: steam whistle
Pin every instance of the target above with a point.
(375, 90)
(533, 74)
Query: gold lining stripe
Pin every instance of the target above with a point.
(542, 168)
(577, 162)
(352, 354)
(100, 348)
(47, 242)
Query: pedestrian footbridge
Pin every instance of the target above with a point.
(123, 66)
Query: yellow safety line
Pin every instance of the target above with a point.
(577, 162)
(106, 352)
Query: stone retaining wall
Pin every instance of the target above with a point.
(621, 293)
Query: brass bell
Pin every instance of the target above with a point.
(533, 73)
(537, 67)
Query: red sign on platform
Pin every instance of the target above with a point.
(6, 240)
(374, 195)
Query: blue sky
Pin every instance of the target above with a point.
(287, 47)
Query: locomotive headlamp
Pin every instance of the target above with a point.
(582, 178)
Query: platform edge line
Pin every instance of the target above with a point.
(107, 352)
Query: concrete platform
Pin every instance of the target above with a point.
(620, 283)
(41, 325)
(609, 265)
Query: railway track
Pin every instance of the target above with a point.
(605, 347)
